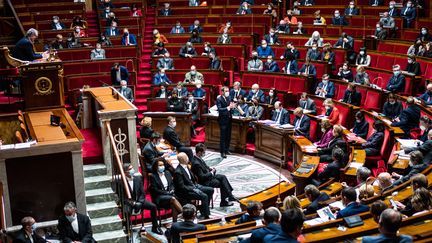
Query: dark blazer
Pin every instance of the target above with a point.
(331, 58)
(308, 104)
(224, 114)
(348, 75)
(150, 154)
(380, 2)
(282, 237)
(127, 93)
(53, 26)
(383, 238)
(275, 39)
(330, 89)
(183, 92)
(410, 13)
(396, 83)
(146, 132)
(260, 95)
(108, 32)
(181, 30)
(233, 94)
(195, 39)
(426, 149)
(414, 68)
(246, 11)
(215, 64)
(158, 79)
(199, 92)
(361, 129)
(352, 11)
(374, 141)
(167, 93)
(138, 193)
(283, 28)
(291, 52)
(247, 218)
(175, 105)
(124, 75)
(331, 170)
(285, 118)
(171, 136)
(315, 204)
(182, 183)
(271, 100)
(313, 55)
(347, 45)
(311, 70)
(259, 234)
(182, 227)
(352, 209)
(424, 136)
(339, 21)
(304, 2)
(168, 64)
(271, 67)
(24, 50)
(22, 237)
(165, 12)
(192, 27)
(415, 169)
(393, 12)
(353, 98)
(201, 170)
(132, 39)
(304, 126)
(184, 51)
(408, 119)
(157, 189)
(335, 142)
(68, 235)
(293, 68)
(392, 110)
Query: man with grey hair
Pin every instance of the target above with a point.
(74, 227)
(188, 225)
(27, 233)
(389, 223)
(362, 175)
(126, 91)
(24, 48)
(315, 197)
(236, 91)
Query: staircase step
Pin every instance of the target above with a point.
(142, 92)
(104, 224)
(97, 182)
(143, 86)
(99, 195)
(94, 170)
(103, 209)
(117, 236)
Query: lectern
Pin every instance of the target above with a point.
(42, 85)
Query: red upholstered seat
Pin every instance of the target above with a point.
(297, 85)
(157, 105)
(339, 90)
(266, 82)
(313, 129)
(343, 115)
(371, 100)
(372, 161)
(385, 62)
(381, 167)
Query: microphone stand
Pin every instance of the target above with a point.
(279, 200)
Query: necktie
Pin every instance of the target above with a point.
(305, 105)
(391, 12)
(255, 66)
(376, 2)
(298, 122)
(307, 70)
(127, 40)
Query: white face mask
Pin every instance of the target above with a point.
(362, 53)
(325, 81)
(422, 128)
(264, 45)
(226, 93)
(173, 124)
(55, 21)
(198, 86)
(271, 94)
(323, 129)
(71, 218)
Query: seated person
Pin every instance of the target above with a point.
(226, 28)
(188, 51)
(351, 10)
(299, 30)
(126, 91)
(307, 103)
(345, 42)
(331, 111)
(416, 167)
(165, 62)
(327, 134)
(325, 153)
(241, 108)
(56, 44)
(181, 91)
(73, 226)
(161, 188)
(264, 50)
(290, 50)
(128, 39)
(421, 201)
(328, 55)
(98, 53)
(271, 65)
(112, 30)
(256, 92)
(363, 59)
(307, 2)
(291, 224)
(308, 69)
(351, 96)
(408, 14)
(418, 181)
(332, 170)
(325, 88)
(280, 114)
(271, 38)
(172, 138)
(166, 10)
(193, 76)
(352, 207)
(118, 73)
(291, 66)
(319, 20)
(146, 131)
(151, 153)
(160, 50)
(376, 209)
(244, 9)
(374, 142)
(159, 38)
(224, 39)
(255, 111)
(392, 107)
(409, 117)
(380, 32)
(425, 148)
(272, 97)
(79, 32)
(27, 232)
(362, 175)
(361, 77)
(345, 73)
(271, 220)
(194, 3)
(290, 19)
(396, 83)
(188, 225)
(163, 92)
(389, 223)
(187, 189)
(365, 191)
(315, 197)
(177, 29)
(199, 92)
(384, 181)
(195, 37)
(361, 126)
(412, 67)
(253, 212)
(57, 24)
(209, 177)
(301, 123)
(195, 26)
(339, 20)
(255, 64)
(313, 53)
(215, 62)
(291, 202)
(375, 3)
(175, 104)
(236, 91)
(208, 49)
(282, 28)
(160, 78)
(427, 96)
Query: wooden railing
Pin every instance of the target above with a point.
(16, 16)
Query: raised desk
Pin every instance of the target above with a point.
(300, 177)
(269, 196)
(239, 129)
(301, 146)
(183, 119)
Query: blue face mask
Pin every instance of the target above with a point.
(131, 172)
(33, 227)
(161, 169)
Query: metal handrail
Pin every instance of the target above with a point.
(16, 16)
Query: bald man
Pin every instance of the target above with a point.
(427, 96)
(385, 181)
(193, 76)
(187, 189)
(389, 223)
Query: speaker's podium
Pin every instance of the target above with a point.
(42, 84)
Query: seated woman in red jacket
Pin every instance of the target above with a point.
(331, 111)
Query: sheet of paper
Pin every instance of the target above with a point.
(325, 214)
(337, 204)
(355, 165)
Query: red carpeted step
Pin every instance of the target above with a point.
(141, 101)
(142, 92)
(143, 86)
(92, 147)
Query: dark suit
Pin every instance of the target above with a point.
(271, 67)
(24, 50)
(112, 32)
(54, 26)
(361, 129)
(192, 27)
(124, 75)
(259, 234)
(308, 104)
(426, 149)
(271, 100)
(396, 83)
(150, 154)
(408, 15)
(171, 136)
(186, 189)
(330, 88)
(184, 50)
(165, 12)
(291, 52)
(373, 144)
(183, 227)
(408, 119)
(308, 70)
(275, 38)
(215, 64)
(383, 238)
(326, 153)
(146, 132)
(345, 45)
(235, 94)
(259, 95)
(282, 237)
(307, 2)
(138, 196)
(127, 93)
(176, 105)
(283, 117)
(376, 2)
(352, 97)
(315, 204)
(160, 195)
(292, 66)
(302, 126)
(392, 110)
(207, 178)
(283, 28)
(181, 93)
(132, 40)
(158, 79)
(225, 123)
(68, 235)
(23, 237)
(352, 209)
(351, 11)
(339, 21)
(159, 93)
(393, 12)
(199, 92)
(332, 170)
(416, 169)
(414, 68)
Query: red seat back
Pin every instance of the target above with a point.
(157, 105)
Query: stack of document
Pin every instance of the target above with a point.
(310, 149)
(409, 143)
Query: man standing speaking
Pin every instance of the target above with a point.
(224, 106)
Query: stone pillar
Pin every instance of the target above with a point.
(77, 164)
(87, 121)
(131, 123)
(106, 147)
(4, 181)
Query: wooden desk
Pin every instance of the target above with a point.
(239, 129)
(397, 163)
(269, 196)
(183, 128)
(358, 158)
(300, 178)
(301, 146)
(271, 143)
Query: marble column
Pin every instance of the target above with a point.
(106, 147)
(77, 164)
(4, 181)
(131, 122)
